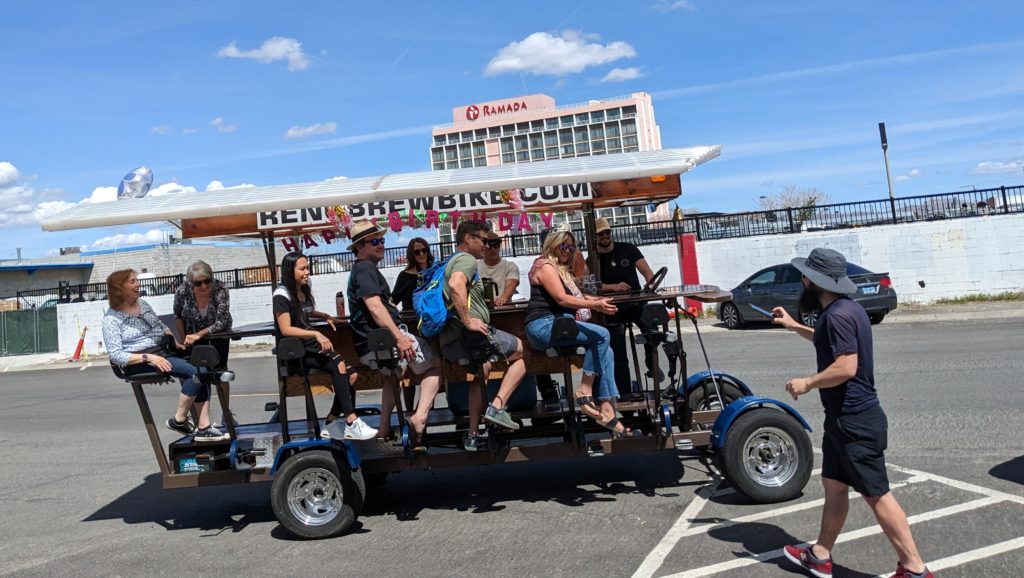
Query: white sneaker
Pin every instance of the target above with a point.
(358, 430)
(334, 430)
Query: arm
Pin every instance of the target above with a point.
(645, 269)
(284, 325)
(552, 283)
(458, 287)
(222, 316)
(511, 282)
(380, 315)
(842, 369)
(404, 286)
(781, 317)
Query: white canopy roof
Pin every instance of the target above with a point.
(386, 188)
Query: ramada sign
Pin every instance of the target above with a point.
(474, 112)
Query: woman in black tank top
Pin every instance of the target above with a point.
(553, 293)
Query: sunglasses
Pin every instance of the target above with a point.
(568, 247)
(419, 252)
(377, 242)
(492, 243)
(201, 283)
(605, 234)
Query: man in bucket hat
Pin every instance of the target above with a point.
(856, 429)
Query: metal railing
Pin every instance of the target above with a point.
(956, 205)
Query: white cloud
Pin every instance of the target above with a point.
(671, 5)
(993, 167)
(313, 129)
(543, 53)
(272, 50)
(221, 126)
(161, 129)
(219, 186)
(9, 174)
(911, 174)
(189, 130)
(622, 74)
(123, 239)
(339, 178)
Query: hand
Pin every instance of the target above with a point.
(330, 321)
(605, 306)
(325, 344)
(798, 386)
(178, 345)
(191, 338)
(621, 286)
(405, 347)
(478, 326)
(159, 362)
(781, 317)
(499, 301)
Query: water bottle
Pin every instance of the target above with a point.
(339, 300)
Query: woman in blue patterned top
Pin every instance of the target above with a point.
(133, 335)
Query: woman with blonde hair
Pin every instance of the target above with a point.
(554, 294)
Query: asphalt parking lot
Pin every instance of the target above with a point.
(79, 492)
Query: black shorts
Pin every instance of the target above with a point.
(853, 450)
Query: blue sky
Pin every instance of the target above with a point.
(214, 94)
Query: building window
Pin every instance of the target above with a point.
(614, 143)
(466, 163)
(582, 118)
(508, 129)
(521, 143)
(581, 134)
(451, 153)
(630, 149)
(480, 133)
(508, 158)
(494, 131)
(597, 132)
(438, 166)
(550, 138)
(464, 151)
(567, 150)
(597, 145)
(437, 155)
(537, 154)
(613, 114)
(629, 141)
(536, 140)
(551, 152)
(629, 110)
(582, 148)
(566, 120)
(611, 129)
(480, 162)
(629, 126)
(597, 116)
(467, 135)
(551, 123)
(453, 164)
(523, 156)
(506, 145)
(565, 136)
(440, 139)
(478, 149)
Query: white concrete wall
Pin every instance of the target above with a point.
(953, 258)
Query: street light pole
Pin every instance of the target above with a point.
(888, 173)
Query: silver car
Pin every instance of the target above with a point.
(780, 286)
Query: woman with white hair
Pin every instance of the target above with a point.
(202, 307)
(554, 294)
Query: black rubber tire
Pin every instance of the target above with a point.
(876, 318)
(320, 467)
(753, 433)
(730, 392)
(731, 316)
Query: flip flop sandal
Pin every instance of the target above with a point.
(585, 403)
(611, 425)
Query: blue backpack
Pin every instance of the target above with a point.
(428, 298)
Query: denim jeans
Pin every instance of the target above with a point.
(190, 386)
(598, 358)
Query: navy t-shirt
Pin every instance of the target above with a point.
(366, 280)
(843, 327)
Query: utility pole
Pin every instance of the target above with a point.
(888, 173)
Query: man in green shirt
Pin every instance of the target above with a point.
(469, 336)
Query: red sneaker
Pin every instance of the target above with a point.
(804, 558)
(902, 572)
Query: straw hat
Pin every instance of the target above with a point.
(363, 230)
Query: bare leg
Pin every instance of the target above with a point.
(429, 386)
(476, 398)
(894, 523)
(387, 405)
(833, 516)
(409, 397)
(203, 407)
(513, 377)
(184, 402)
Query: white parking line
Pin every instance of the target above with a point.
(657, 556)
(972, 555)
(845, 537)
(968, 487)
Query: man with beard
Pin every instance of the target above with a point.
(856, 429)
(619, 265)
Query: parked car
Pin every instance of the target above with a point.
(780, 286)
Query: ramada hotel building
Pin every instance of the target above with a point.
(533, 128)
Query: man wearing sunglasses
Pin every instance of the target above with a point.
(619, 265)
(369, 299)
(503, 272)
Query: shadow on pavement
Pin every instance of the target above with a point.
(757, 537)
(1011, 471)
(572, 482)
(213, 510)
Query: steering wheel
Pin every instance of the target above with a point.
(652, 285)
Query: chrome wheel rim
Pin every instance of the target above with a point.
(315, 497)
(730, 315)
(770, 457)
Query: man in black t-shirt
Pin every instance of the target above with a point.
(619, 265)
(856, 429)
(369, 298)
